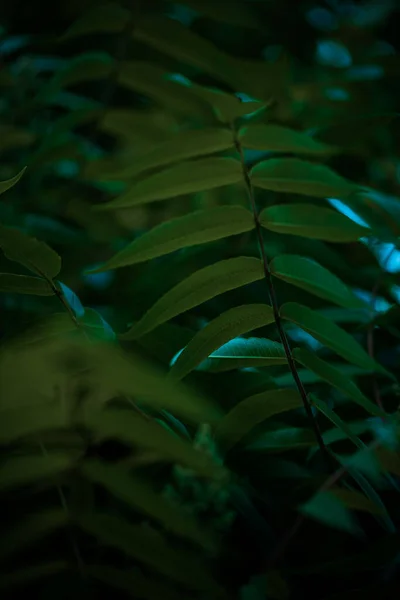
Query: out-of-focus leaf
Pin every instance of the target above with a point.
(23, 576)
(310, 221)
(174, 39)
(199, 227)
(150, 548)
(327, 508)
(24, 470)
(275, 138)
(281, 440)
(9, 183)
(198, 288)
(312, 277)
(235, 13)
(106, 18)
(142, 497)
(152, 81)
(30, 530)
(128, 427)
(232, 323)
(243, 353)
(253, 411)
(23, 284)
(132, 582)
(329, 334)
(130, 375)
(328, 373)
(29, 252)
(292, 175)
(184, 178)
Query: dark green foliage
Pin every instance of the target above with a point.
(199, 227)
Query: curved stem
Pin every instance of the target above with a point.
(275, 305)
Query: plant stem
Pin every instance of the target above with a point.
(275, 305)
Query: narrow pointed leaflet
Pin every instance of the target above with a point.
(203, 285)
(234, 322)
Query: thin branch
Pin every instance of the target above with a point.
(275, 306)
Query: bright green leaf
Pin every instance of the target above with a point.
(178, 180)
(9, 183)
(252, 411)
(328, 373)
(142, 497)
(198, 288)
(329, 334)
(29, 252)
(310, 221)
(232, 323)
(307, 274)
(245, 352)
(23, 284)
(275, 138)
(199, 227)
(292, 175)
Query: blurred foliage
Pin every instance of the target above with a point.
(204, 191)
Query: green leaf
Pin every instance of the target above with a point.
(23, 576)
(198, 288)
(106, 18)
(174, 39)
(275, 138)
(280, 440)
(133, 582)
(329, 334)
(119, 373)
(328, 373)
(199, 227)
(29, 420)
(243, 353)
(310, 221)
(234, 322)
(181, 146)
(29, 252)
(31, 530)
(142, 497)
(178, 180)
(23, 284)
(128, 427)
(252, 411)
(335, 419)
(154, 82)
(234, 13)
(326, 508)
(307, 274)
(292, 175)
(25, 470)
(9, 183)
(149, 547)
(226, 107)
